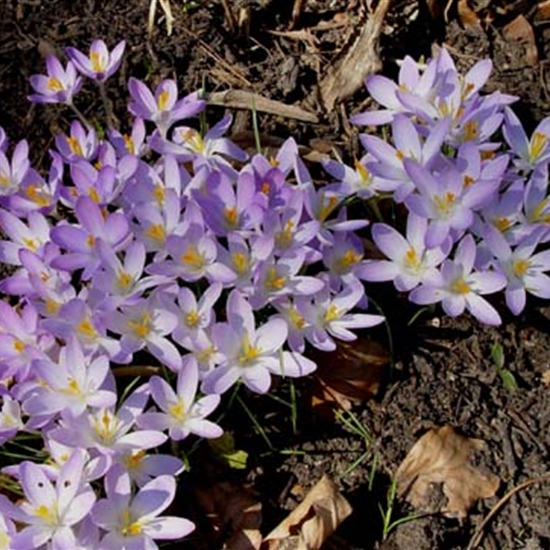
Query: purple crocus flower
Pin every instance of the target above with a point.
(523, 267)
(81, 143)
(13, 173)
(530, 152)
(251, 354)
(58, 86)
(100, 64)
(50, 511)
(147, 324)
(188, 145)
(133, 521)
(10, 424)
(163, 108)
(33, 236)
(132, 143)
(109, 432)
(329, 316)
(71, 384)
(181, 412)
(445, 200)
(458, 287)
(410, 263)
(80, 240)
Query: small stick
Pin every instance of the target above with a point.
(229, 16)
(136, 370)
(478, 535)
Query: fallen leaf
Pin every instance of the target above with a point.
(235, 514)
(348, 375)
(521, 30)
(543, 11)
(466, 15)
(442, 457)
(309, 525)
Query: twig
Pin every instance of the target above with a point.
(478, 535)
(241, 99)
(229, 16)
(136, 370)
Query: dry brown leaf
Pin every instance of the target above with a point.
(359, 59)
(521, 30)
(442, 457)
(309, 525)
(235, 514)
(543, 11)
(348, 375)
(466, 15)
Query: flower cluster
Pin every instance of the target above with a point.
(161, 246)
(478, 211)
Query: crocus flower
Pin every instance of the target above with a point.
(133, 521)
(10, 424)
(163, 108)
(33, 236)
(13, 173)
(147, 324)
(50, 511)
(251, 354)
(531, 152)
(109, 432)
(59, 86)
(7, 531)
(181, 412)
(329, 316)
(188, 145)
(458, 287)
(81, 143)
(71, 384)
(80, 240)
(523, 267)
(410, 262)
(445, 200)
(100, 64)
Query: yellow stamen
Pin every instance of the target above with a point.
(86, 329)
(129, 144)
(248, 352)
(72, 387)
(163, 99)
(411, 258)
(460, 286)
(231, 216)
(192, 257)
(55, 85)
(5, 180)
(520, 268)
(284, 238)
(537, 145)
(296, 319)
(192, 319)
(18, 346)
(124, 281)
(130, 527)
(31, 244)
(362, 171)
(98, 62)
(399, 154)
(332, 313)
(327, 207)
(159, 193)
(502, 223)
(155, 232)
(142, 327)
(94, 195)
(471, 130)
(349, 259)
(74, 146)
(266, 187)
(177, 410)
(468, 180)
(133, 460)
(240, 262)
(444, 204)
(36, 195)
(273, 281)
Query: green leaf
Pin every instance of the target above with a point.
(508, 379)
(497, 355)
(224, 449)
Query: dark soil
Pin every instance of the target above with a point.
(442, 372)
